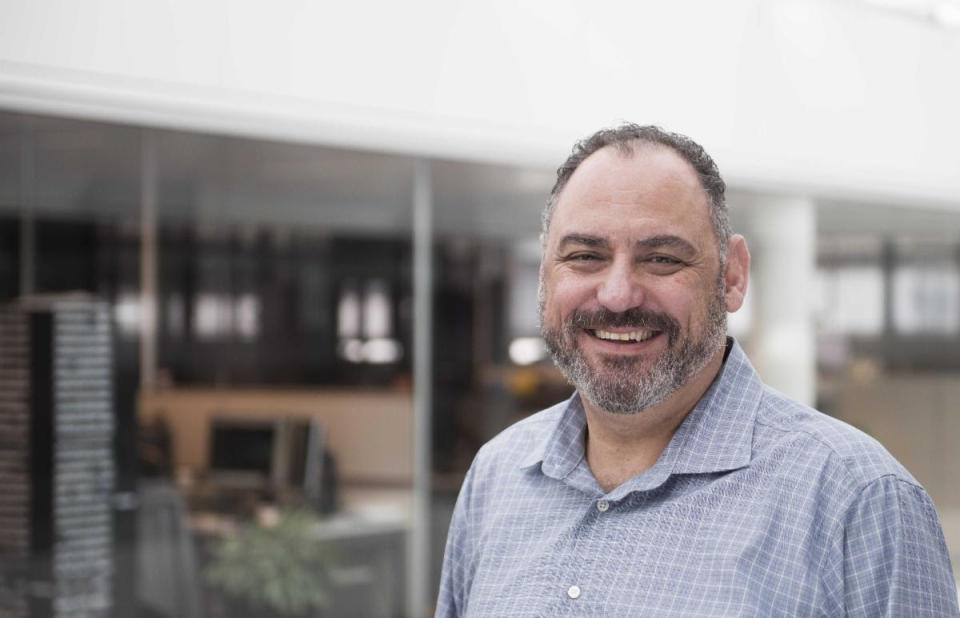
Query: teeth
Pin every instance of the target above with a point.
(637, 335)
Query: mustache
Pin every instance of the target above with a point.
(631, 318)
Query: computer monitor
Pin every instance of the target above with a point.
(267, 453)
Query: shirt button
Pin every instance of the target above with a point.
(573, 592)
(602, 506)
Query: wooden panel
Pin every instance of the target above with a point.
(905, 415)
(369, 433)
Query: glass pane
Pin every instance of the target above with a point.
(266, 472)
(851, 300)
(285, 417)
(926, 299)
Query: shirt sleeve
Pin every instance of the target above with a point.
(458, 557)
(896, 561)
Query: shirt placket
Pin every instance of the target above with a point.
(580, 565)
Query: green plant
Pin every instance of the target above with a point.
(280, 567)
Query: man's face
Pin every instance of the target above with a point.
(631, 291)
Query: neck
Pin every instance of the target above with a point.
(621, 446)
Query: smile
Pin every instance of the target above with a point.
(635, 336)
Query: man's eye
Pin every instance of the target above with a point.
(583, 257)
(664, 264)
(664, 259)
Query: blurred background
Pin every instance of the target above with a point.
(268, 274)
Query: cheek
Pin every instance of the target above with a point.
(562, 297)
(679, 302)
(697, 309)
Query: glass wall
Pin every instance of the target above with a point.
(261, 300)
(261, 308)
(263, 460)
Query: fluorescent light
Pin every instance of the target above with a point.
(127, 313)
(527, 350)
(352, 350)
(382, 351)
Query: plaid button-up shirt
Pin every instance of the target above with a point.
(759, 506)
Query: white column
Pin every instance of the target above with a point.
(782, 239)
(418, 571)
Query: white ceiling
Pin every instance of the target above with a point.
(828, 97)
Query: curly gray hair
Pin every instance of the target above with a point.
(624, 138)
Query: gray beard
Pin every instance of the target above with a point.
(621, 384)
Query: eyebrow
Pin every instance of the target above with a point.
(581, 239)
(667, 240)
(653, 242)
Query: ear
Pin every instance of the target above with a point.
(737, 272)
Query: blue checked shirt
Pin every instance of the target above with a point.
(758, 507)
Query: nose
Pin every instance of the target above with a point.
(620, 289)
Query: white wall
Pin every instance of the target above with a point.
(787, 94)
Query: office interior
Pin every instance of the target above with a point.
(318, 269)
(284, 293)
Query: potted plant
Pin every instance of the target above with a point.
(273, 567)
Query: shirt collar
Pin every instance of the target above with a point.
(716, 435)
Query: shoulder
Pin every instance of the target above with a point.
(815, 438)
(872, 527)
(501, 467)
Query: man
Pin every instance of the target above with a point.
(674, 482)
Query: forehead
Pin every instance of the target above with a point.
(654, 190)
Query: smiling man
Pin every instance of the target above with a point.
(674, 482)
